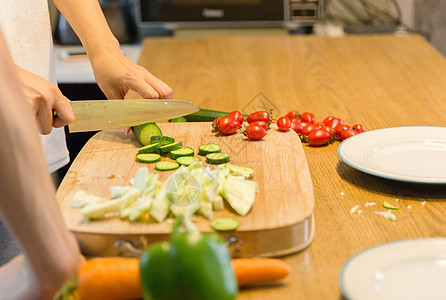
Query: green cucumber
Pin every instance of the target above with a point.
(151, 148)
(166, 165)
(169, 147)
(225, 224)
(144, 132)
(178, 120)
(183, 151)
(208, 148)
(206, 115)
(217, 158)
(187, 160)
(163, 139)
(148, 157)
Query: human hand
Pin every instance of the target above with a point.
(116, 74)
(45, 97)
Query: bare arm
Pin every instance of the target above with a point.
(114, 73)
(27, 199)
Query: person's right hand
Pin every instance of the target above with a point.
(45, 97)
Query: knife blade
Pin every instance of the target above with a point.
(92, 115)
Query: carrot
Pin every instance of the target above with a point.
(109, 278)
(257, 270)
(117, 278)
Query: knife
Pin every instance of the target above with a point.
(92, 115)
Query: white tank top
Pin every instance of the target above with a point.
(26, 27)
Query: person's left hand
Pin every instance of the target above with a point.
(116, 74)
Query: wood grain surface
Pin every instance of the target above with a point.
(284, 203)
(377, 80)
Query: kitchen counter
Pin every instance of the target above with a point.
(376, 80)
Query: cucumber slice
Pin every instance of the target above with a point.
(152, 148)
(166, 165)
(164, 140)
(148, 157)
(208, 148)
(225, 224)
(187, 160)
(217, 158)
(389, 206)
(184, 151)
(144, 132)
(169, 147)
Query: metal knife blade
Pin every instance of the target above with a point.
(94, 115)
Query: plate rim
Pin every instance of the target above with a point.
(352, 258)
(371, 172)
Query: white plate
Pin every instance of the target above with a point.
(413, 154)
(400, 270)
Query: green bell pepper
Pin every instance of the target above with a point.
(191, 265)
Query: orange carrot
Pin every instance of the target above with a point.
(117, 278)
(109, 278)
(257, 270)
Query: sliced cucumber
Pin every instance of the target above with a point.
(187, 160)
(389, 206)
(169, 147)
(164, 140)
(178, 120)
(148, 157)
(217, 158)
(183, 151)
(208, 148)
(166, 165)
(206, 115)
(152, 148)
(144, 132)
(225, 224)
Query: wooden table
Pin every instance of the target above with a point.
(379, 81)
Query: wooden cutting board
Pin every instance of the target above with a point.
(280, 222)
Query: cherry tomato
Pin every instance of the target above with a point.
(259, 116)
(348, 133)
(304, 124)
(339, 129)
(284, 123)
(318, 137)
(261, 123)
(293, 114)
(318, 125)
(306, 130)
(227, 125)
(237, 116)
(328, 119)
(359, 128)
(307, 117)
(215, 124)
(330, 130)
(335, 122)
(255, 132)
(296, 125)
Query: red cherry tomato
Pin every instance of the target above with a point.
(330, 130)
(307, 117)
(292, 114)
(335, 122)
(284, 124)
(318, 137)
(237, 116)
(306, 130)
(348, 133)
(227, 125)
(305, 124)
(318, 125)
(261, 123)
(328, 119)
(259, 116)
(296, 125)
(215, 124)
(339, 129)
(255, 132)
(359, 128)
